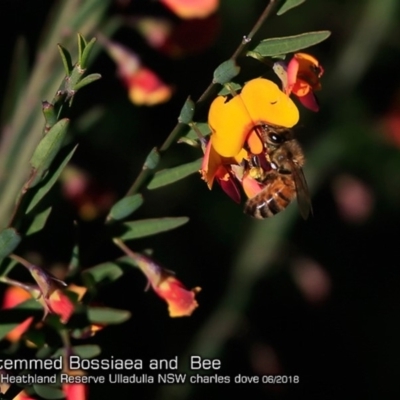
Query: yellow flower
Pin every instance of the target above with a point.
(234, 124)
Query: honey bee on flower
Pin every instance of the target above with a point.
(252, 145)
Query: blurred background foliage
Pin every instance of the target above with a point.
(316, 298)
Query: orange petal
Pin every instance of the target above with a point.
(191, 8)
(251, 187)
(181, 302)
(146, 88)
(60, 304)
(255, 144)
(309, 70)
(12, 297)
(211, 162)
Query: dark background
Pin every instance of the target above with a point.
(326, 307)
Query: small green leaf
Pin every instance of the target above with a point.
(102, 315)
(290, 44)
(39, 221)
(234, 86)
(81, 47)
(171, 175)
(226, 72)
(82, 351)
(6, 265)
(49, 114)
(288, 5)
(37, 337)
(103, 273)
(47, 149)
(73, 265)
(9, 240)
(152, 226)
(16, 80)
(51, 179)
(188, 141)
(87, 350)
(152, 159)
(48, 392)
(66, 59)
(124, 207)
(187, 112)
(47, 352)
(202, 127)
(12, 317)
(86, 81)
(86, 53)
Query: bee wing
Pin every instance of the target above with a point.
(302, 192)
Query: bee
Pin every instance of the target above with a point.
(283, 180)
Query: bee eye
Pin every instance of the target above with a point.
(275, 139)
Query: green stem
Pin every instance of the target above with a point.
(210, 92)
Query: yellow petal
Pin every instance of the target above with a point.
(266, 103)
(230, 123)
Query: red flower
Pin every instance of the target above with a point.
(302, 78)
(75, 391)
(12, 297)
(144, 86)
(181, 301)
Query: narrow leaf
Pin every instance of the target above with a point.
(202, 127)
(226, 72)
(103, 273)
(234, 86)
(51, 179)
(81, 47)
(86, 81)
(152, 159)
(190, 142)
(288, 5)
(86, 53)
(50, 115)
(152, 226)
(102, 315)
(12, 317)
(47, 149)
(171, 175)
(86, 350)
(16, 80)
(6, 266)
(124, 207)
(39, 221)
(187, 112)
(73, 265)
(290, 44)
(66, 59)
(9, 240)
(48, 392)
